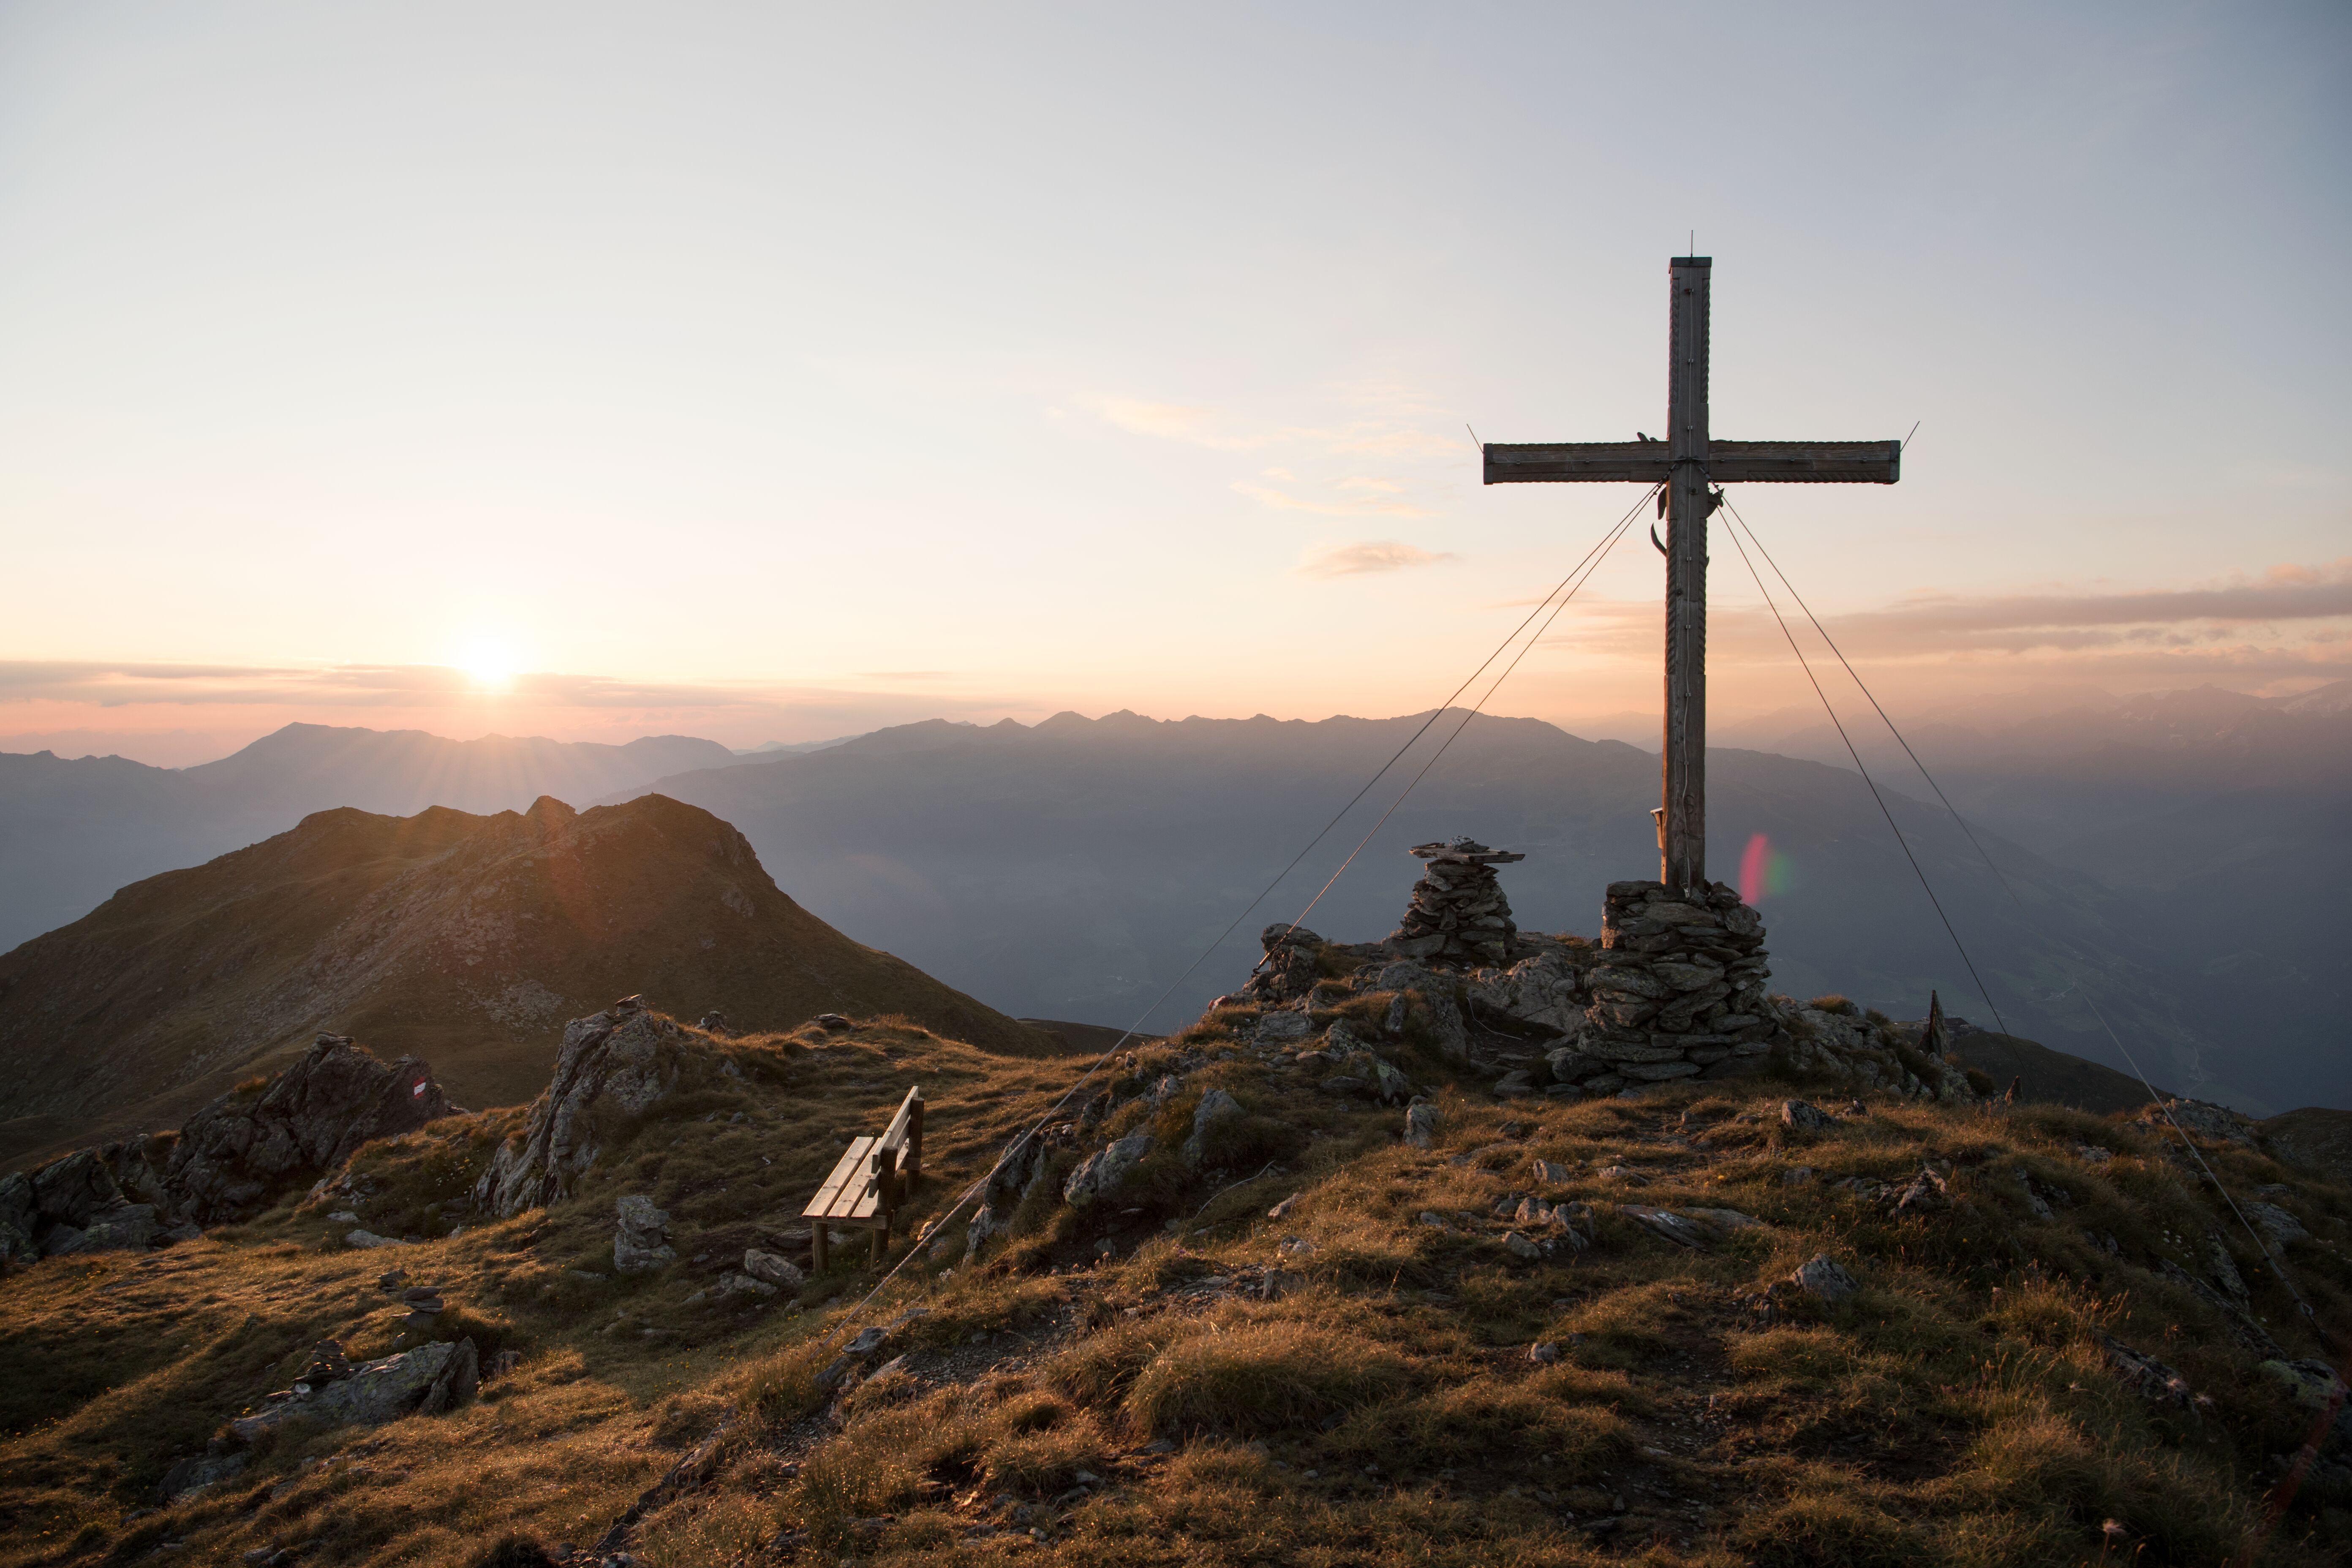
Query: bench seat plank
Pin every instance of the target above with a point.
(847, 1174)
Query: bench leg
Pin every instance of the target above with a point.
(817, 1245)
(881, 1244)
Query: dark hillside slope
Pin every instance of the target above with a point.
(464, 940)
(72, 831)
(1073, 869)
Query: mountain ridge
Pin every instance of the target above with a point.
(461, 938)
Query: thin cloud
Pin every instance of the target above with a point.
(1359, 560)
(2292, 619)
(1176, 422)
(408, 685)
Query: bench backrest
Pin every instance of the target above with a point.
(901, 1145)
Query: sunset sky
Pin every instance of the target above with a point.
(772, 372)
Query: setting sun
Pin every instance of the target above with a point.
(491, 662)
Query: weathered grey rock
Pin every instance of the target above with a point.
(1823, 1277)
(1420, 1124)
(122, 1227)
(1387, 1084)
(1451, 1034)
(1688, 974)
(1675, 1227)
(1573, 1064)
(238, 1150)
(196, 1472)
(621, 1064)
(2279, 1227)
(1284, 1027)
(1658, 1072)
(1024, 1164)
(425, 1380)
(1622, 979)
(2144, 1375)
(1547, 1175)
(364, 1238)
(1801, 1117)
(1290, 968)
(1100, 1173)
(72, 1190)
(768, 1267)
(2314, 1386)
(1216, 1106)
(19, 1217)
(641, 1242)
(1542, 990)
(2202, 1118)
(1544, 1354)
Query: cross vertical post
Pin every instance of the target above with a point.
(1682, 829)
(1687, 467)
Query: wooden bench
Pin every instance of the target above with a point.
(871, 1182)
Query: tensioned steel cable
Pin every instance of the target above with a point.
(1917, 869)
(1607, 544)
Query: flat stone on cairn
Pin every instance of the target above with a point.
(1458, 910)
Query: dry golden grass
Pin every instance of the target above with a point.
(1155, 1408)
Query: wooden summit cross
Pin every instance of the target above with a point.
(1691, 466)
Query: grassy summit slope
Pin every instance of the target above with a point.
(1178, 1378)
(466, 940)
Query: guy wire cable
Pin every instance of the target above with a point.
(1600, 548)
(1917, 869)
(2156, 1099)
(1610, 544)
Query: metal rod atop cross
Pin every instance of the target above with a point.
(1692, 469)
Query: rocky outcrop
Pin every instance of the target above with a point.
(107, 1199)
(422, 1382)
(641, 1241)
(612, 1068)
(1458, 912)
(1215, 1107)
(237, 1153)
(1289, 969)
(227, 1161)
(1100, 1173)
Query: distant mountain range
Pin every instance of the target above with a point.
(72, 831)
(466, 939)
(1074, 868)
(2182, 856)
(2223, 820)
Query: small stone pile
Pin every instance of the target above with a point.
(1680, 987)
(1290, 967)
(1458, 912)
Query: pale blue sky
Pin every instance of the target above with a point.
(765, 371)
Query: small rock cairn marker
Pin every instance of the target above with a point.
(1458, 910)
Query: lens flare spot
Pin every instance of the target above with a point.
(1764, 871)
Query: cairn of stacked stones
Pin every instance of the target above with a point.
(1458, 914)
(1680, 987)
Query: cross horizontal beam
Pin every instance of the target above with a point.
(1728, 462)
